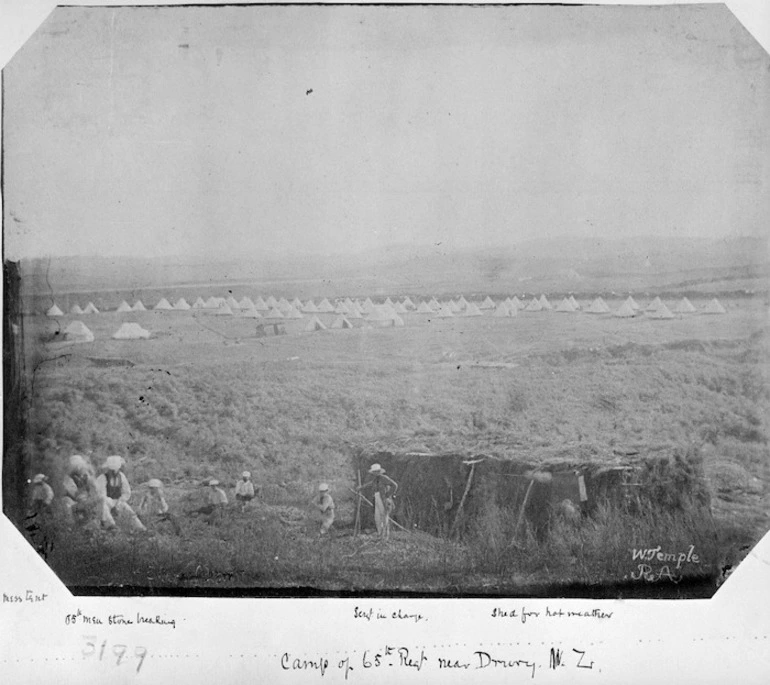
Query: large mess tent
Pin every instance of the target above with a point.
(78, 332)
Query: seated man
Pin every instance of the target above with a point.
(81, 502)
(113, 486)
(216, 498)
(41, 495)
(40, 515)
(153, 507)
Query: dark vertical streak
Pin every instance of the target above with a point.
(13, 394)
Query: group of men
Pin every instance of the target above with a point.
(90, 499)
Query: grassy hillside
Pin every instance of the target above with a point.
(204, 399)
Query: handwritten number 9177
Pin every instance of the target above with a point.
(118, 652)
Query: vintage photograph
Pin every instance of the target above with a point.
(350, 300)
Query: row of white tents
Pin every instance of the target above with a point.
(78, 332)
(386, 315)
(295, 309)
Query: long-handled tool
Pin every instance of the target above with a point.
(371, 505)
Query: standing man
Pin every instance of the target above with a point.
(244, 489)
(113, 486)
(385, 489)
(325, 505)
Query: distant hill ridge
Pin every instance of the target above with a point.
(575, 261)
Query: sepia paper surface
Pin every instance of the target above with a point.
(49, 633)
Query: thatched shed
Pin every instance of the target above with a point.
(448, 494)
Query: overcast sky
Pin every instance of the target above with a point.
(235, 130)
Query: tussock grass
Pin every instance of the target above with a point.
(194, 407)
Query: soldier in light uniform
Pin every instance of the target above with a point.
(41, 495)
(244, 489)
(113, 487)
(385, 489)
(216, 500)
(325, 505)
(81, 501)
(153, 507)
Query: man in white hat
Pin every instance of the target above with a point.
(39, 518)
(216, 499)
(113, 486)
(153, 507)
(81, 500)
(384, 488)
(244, 489)
(41, 495)
(325, 505)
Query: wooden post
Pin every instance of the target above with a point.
(523, 507)
(462, 501)
(357, 526)
(393, 521)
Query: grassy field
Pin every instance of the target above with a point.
(206, 397)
